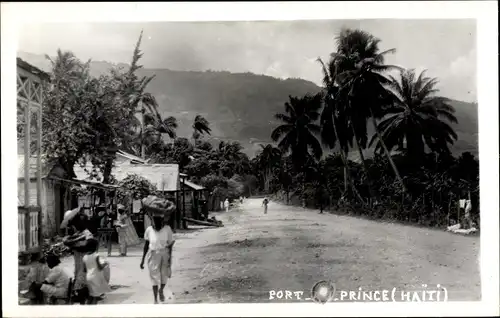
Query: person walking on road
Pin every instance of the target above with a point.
(264, 204)
(158, 254)
(226, 204)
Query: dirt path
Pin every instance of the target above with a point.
(291, 249)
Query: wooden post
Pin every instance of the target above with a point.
(184, 225)
(26, 216)
(39, 171)
(27, 181)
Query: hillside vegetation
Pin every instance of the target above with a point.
(241, 107)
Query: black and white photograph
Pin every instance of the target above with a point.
(249, 161)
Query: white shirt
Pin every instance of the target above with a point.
(159, 239)
(226, 203)
(462, 203)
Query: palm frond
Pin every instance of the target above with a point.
(279, 131)
(283, 118)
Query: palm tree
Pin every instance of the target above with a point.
(154, 129)
(334, 124)
(232, 159)
(201, 126)
(145, 103)
(268, 157)
(298, 133)
(417, 118)
(360, 67)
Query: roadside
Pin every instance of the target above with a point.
(291, 248)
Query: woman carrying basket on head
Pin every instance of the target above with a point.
(158, 247)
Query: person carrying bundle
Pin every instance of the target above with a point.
(158, 244)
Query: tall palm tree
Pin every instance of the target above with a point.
(142, 102)
(334, 121)
(417, 118)
(268, 157)
(361, 79)
(298, 133)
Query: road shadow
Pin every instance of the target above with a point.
(256, 242)
(237, 289)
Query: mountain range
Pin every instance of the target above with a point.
(241, 106)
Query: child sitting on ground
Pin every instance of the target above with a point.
(96, 271)
(35, 278)
(57, 281)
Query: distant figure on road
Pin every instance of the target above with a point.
(264, 204)
(226, 204)
(241, 200)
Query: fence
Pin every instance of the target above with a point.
(28, 229)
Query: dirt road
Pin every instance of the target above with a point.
(291, 248)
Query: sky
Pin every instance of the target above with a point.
(445, 48)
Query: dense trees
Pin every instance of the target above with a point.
(411, 176)
(323, 152)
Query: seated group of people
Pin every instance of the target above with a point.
(49, 281)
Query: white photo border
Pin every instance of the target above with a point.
(485, 13)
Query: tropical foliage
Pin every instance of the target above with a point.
(404, 171)
(412, 175)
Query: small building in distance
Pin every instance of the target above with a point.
(195, 198)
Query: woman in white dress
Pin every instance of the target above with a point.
(158, 254)
(94, 268)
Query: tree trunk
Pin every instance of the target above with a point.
(108, 166)
(448, 212)
(362, 157)
(346, 172)
(387, 153)
(303, 189)
(143, 148)
(345, 178)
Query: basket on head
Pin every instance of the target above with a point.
(154, 206)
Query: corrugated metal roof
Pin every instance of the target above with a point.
(46, 167)
(194, 186)
(129, 156)
(164, 176)
(32, 69)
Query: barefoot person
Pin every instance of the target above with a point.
(264, 204)
(94, 268)
(127, 236)
(77, 243)
(158, 253)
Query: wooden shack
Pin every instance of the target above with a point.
(194, 195)
(164, 176)
(30, 86)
